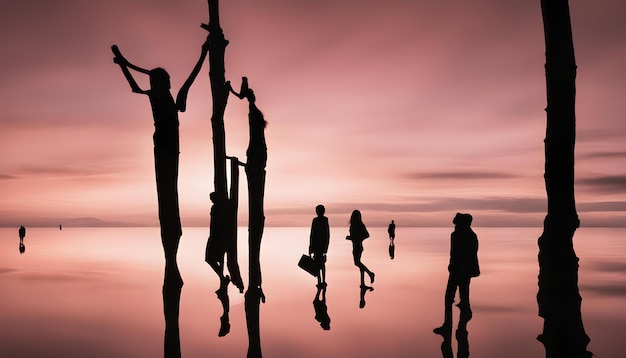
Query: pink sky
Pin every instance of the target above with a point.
(406, 109)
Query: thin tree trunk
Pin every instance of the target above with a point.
(558, 297)
(219, 92)
(255, 172)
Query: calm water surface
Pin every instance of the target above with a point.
(96, 292)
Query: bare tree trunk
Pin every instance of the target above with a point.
(219, 92)
(558, 298)
(255, 172)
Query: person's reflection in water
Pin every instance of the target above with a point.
(461, 337)
(463, 266)
(22, 248)
(171, 306)
(392, 251)
(222, 295)
(321, 310)
(364, 289)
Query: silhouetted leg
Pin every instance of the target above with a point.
(446, 328)
(364, 289)
(222, 295)
(464, 303)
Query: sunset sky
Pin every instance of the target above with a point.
(406, 109)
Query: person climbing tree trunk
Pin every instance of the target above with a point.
(256, 155)
(558, 299)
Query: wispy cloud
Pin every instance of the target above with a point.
(460, 175)
(605, 184)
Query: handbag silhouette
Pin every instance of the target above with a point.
(308, 264)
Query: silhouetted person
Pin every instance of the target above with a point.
(358, 233)
(321, 310)
(462, 267)
(256, 160)
(22, 248)
(22, 233)
(217, 243)
(318, 242)
(257, 149)
(391, 230)
(60, 227)
(166, 145)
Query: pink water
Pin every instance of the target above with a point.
(96, 292)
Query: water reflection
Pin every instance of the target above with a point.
(320, 307)
(222, 295)
(392, 251)
(22, 248)
(461, 336)
(172, 287)
(364, 289)
(253, 298)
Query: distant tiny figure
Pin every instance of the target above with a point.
(318, 242)
(391, 230)
(60, 227)
(358, 233)
(21, 232)
(463, 266)
(22, 248)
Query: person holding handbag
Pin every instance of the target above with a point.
(318, 243)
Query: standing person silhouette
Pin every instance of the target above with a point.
(318, 243)
(166, 146)
(463, 266)
(22, 233)
(358, 233)
(391, 230)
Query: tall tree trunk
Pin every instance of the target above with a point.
(255, 172)
(558, 298)
(219, 92)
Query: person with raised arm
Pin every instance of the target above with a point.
(166, 146)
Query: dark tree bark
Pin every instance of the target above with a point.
(219, 92)
(558, 298)
(255, 172)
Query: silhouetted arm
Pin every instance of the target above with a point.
(124, 65)
(244, 88)
(181, 99)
